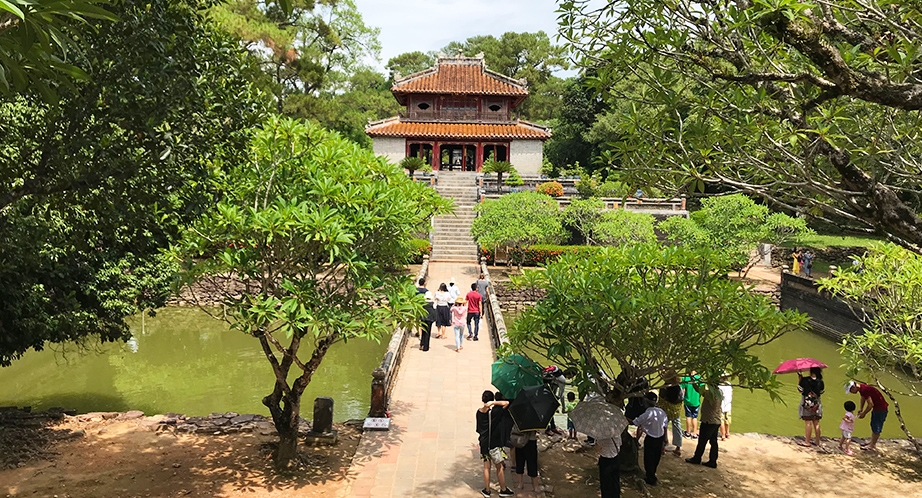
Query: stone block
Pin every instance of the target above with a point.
(323, 415)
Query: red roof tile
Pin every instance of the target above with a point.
(393, 127)
(460, 75)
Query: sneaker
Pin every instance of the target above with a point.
(711, 464)
(686, 434)
(506, 492)
(849, 452)
(475, 338)
(693, 461)
(694, 436)
(485, 492)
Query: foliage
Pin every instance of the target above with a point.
(811, 106)
(570, 143)
(553, 189)
(733, 225)
(408, 63)
(498, 167)
(514, 179)
(886, 295)
(309, 234)
(517, 221)
(538, 254)
(613, 189)
(588, 185)
(93, 189)
(583, 215)
(412, 164)
(528, 56)
(819, 241)
(40, 40)
(635, 312)
(622, 226)
(420, 248)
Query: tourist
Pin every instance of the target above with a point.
(428, 320)
(557, 381)
(652, 422)
(474, 304)
(453, 289)
(710, 425)
(848, 426)
(796, 256)
(671, 400)
(567, 408)
(488, 419)
(726, 402)
(811, 408)
(458, 315)
(808, 262)
(692, 402)
(421, 286)
(443, 314)
(528, 456)
(609, 474)
(482, 284)
(873, 402)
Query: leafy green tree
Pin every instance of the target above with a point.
(885, 293)
(812, 106)
(500, 168)
(734, 225)
(93, 189)
(39, 40)
(583, 215)
(622, 226)
(408, 63)
(308, 246)
(516, 221)
(570, 144)
(306, 46)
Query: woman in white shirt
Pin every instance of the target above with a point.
(442, 310)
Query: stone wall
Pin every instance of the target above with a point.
(839, 256)
(515, 300)
(394, 149)
(526, 156)
(829, 316)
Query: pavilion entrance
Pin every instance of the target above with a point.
(458, 157)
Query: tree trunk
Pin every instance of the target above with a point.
(499, 183)
(916, 444)
(288, 434)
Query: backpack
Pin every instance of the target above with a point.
(673, 394)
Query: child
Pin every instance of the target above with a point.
(458, 315)
(847, 426)
(652, 422)
(726, 402)
(571, 404)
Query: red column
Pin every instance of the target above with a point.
(479, 153)
(436, 156)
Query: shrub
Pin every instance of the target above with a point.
(514, 179)
(553, 189)
(517, 220)
(420, 248)
(613, 189)
(621, 226)
(537, 255)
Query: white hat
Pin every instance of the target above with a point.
(451, 280)
(429, 296)
(848, 387)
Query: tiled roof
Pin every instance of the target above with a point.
(460, 75)
(393, 127)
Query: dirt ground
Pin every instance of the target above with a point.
(749, 466)
(122, 459)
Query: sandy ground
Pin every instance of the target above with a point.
(121, 459)
(749, 466)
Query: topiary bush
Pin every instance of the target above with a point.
(553, 189)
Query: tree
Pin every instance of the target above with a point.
(885, 293)
(635, 312)
(583, 215)
(570, 143)
(413, 163)
(734, 225)
(516, 221)
(408, 63)
(307, 246)
(813, 106)
(39, 40)
(621, 226)
(311, 47)
(498, 167)
(94, 188)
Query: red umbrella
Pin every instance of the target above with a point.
(798, 364)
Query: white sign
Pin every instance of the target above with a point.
(377, 424)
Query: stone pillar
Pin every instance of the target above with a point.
(323, 415)
(378, 394)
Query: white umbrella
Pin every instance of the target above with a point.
(596, 418)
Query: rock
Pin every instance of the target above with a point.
(177, 465)
(131, 415)
(231, 414)
(240, 419)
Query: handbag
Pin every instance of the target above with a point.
(518, 439)
(496, 454)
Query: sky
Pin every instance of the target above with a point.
(424, 25)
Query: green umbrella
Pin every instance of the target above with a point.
(512, 373)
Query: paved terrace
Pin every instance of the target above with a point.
(431, 449)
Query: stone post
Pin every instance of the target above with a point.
(323, 415)
(378, 393)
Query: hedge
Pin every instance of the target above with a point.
(537, 255)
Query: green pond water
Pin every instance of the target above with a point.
(182, 361)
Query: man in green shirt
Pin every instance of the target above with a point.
(692, 402)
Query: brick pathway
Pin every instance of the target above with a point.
(431, 449)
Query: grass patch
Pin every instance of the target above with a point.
(822, 241)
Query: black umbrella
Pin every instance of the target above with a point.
(533, 408)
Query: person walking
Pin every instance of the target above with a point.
(453, 289)
(692, 403)
(458, 315)
(428, 320)
(488, 418)
(710, 426)
(808, 262)
(652, 422)
(474, 305)
(482, 284)
(726, 403)
(873, 402)
(443, 314)
(671, 400)
(609, 473)
(796, 258)
(811, 408)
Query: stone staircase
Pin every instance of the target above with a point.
(451, 234)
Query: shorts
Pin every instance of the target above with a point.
(485, 457)
(725, 417)
(877, 421)
(691, 411)
(570, 426)
(846, 434)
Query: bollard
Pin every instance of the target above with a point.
(323, 415)
(378, 394)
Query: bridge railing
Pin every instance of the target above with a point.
(383, 377)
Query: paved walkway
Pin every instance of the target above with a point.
(431, 449)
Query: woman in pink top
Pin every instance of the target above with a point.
(458, 314)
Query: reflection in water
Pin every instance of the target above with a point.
(185, 362)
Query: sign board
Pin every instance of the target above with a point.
(377, 424)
